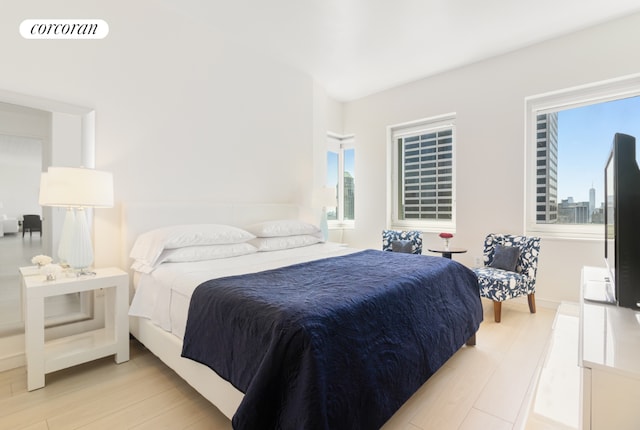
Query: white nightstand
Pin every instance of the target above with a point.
(46, 357)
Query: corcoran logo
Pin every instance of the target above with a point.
(64, 29)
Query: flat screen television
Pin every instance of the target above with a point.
(622, 220)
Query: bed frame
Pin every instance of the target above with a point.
(141, 217)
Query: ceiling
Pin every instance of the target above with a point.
(358, 47)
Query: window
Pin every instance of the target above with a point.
(569, 136)
(341, 176)
(423, 174)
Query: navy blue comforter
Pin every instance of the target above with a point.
(338, 343)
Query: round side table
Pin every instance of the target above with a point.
(446, 253)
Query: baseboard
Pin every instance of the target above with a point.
(547, 304)
(13, 352)
(543, 303)
(12, 362)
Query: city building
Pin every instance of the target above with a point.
(547, 168)
(349, 196)
(592, 202)
(570, 212)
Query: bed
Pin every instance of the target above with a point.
(335, 354)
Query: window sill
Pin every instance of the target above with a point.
(345, 225)
(568, 232)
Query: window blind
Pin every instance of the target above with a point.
(427, 175)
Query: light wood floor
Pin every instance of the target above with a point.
(482, 387)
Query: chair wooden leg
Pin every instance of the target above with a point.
(497, 310)
(531, 298)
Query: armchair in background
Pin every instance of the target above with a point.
(31, 223)
(510, 265)
(409, 242)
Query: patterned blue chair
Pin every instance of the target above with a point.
(510, 265)
(409, 242)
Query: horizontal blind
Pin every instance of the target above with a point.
(427, 175)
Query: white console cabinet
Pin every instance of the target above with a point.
(609, 357)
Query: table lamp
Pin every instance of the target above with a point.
(76, 188)
(324, 197)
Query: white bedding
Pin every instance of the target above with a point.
(163, 295)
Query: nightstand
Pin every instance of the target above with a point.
(46, 357)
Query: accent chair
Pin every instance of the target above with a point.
(31, 223)
(409, 242)
(510, 265)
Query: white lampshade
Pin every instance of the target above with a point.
(324, 197)
(76, 187)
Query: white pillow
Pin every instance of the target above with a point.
(209, 252)
(284, 242)
(283, 228)
(149, 245)
(196, 253)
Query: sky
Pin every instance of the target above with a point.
(585, 136)
(332, 166)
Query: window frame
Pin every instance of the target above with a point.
(424, 125)
(574, 97)
(338, 144)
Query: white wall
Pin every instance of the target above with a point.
(24, 133)
(488, 98)
(20, 166)
(181, 113)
